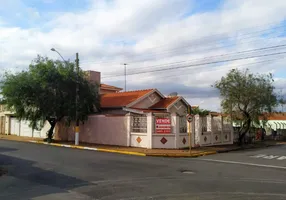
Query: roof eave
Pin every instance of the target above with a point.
(171, 104)
(133, 110)
(112, 107)
(140, 98)
(111, 89)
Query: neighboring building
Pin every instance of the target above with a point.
(106, 89)
(276, 122)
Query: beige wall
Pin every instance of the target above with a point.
(170, 144)
(98, 129)
(180, 108)
(148, 101)
(139, 140)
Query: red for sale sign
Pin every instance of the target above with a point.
(163, 125)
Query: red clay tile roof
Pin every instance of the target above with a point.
(164, 103)
(149, 110)
(274, 116)
(109, 87)
(121, 99)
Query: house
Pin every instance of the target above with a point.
(140, 118)
(271, 122)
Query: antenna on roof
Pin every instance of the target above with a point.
(173, 94)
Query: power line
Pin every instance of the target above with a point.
(199, 42)
(201, 64)
(225, 67)
(217, 56)
(221, 55)
(164, 64)
(197, 51)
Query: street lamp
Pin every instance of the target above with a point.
(76, 141)
(53, 49)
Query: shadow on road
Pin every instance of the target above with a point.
(7, 149)
(25, 181)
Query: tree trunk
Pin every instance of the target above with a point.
(243, 132)
(50, 133)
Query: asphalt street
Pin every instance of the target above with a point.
(43, 172)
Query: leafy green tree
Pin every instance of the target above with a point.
(282, 103)
(47, 92)
(247, 97)
(198, 111)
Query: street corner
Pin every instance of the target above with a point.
(121, 152)
(182, 155)
(64, 145)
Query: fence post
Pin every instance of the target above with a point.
(150, 129)
(198, 130)
(176, 128)
(221, 137)
(128, 128)
(210, 126)
(7, 125)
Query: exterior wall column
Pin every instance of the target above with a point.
(210, 126)
(192, 129)
(198, 130)
(231, 131)
(150, 129)
(128, 129)
(176, 129)
(221, 137)
(7, 125)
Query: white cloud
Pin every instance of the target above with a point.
(148, 33)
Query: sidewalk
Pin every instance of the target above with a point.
(200, 151)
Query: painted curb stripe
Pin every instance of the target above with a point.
(89, 148)
(123, 152)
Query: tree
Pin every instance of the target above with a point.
(46, 92)
(247, 97)
(198, 111)
(282, 103)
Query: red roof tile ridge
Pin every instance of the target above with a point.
(172, 97)
(130, 91)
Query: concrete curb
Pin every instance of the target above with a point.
(184, 155)
(64, 145)
(89, 148)
(117, 151)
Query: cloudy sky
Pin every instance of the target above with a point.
(179, 46)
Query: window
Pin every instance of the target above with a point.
(139, 124)
(183, 124)
(204, 124)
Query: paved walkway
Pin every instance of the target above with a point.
(201, 151)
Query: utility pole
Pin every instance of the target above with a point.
(76, 141)
(125, 75)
